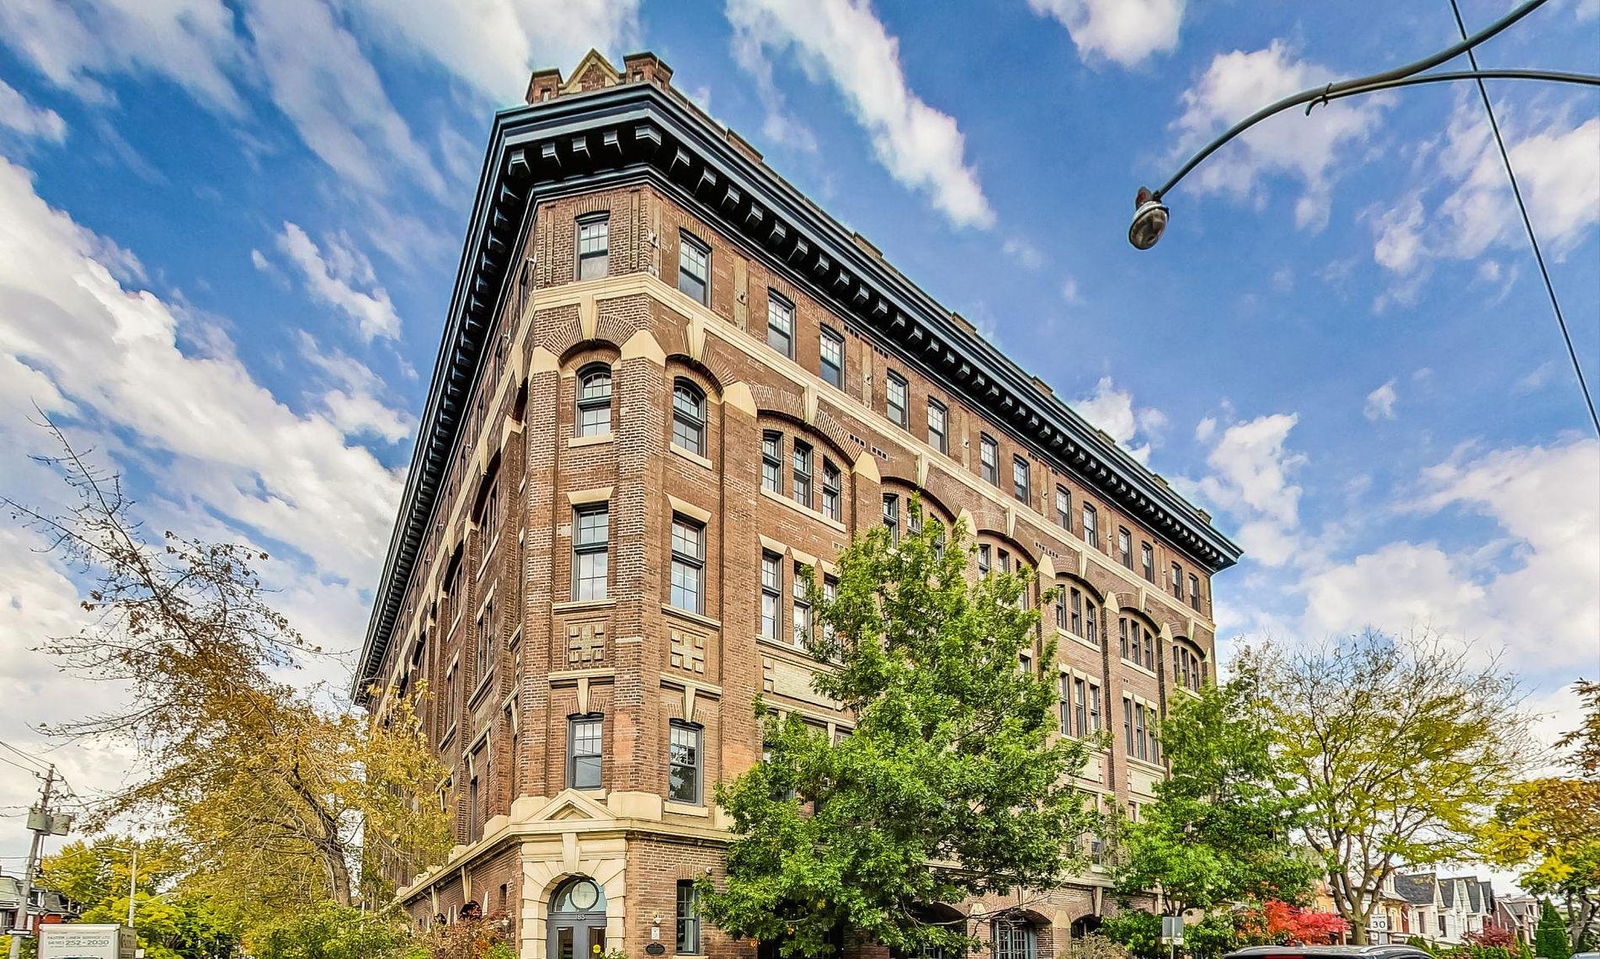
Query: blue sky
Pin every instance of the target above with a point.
(228, 232)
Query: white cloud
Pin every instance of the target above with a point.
(1558, 169)
(16, 113)
(353, 402)
(1027, 255)
(1380, 403)
(1251, 477)
(1532, 593)
(495, 45)
(843, 42)
(1136, 429)
(318, 76)
(1124, 31)
(99, 352)
(1290, 144)
(188, 42)
(332, 274)
(1070, 294)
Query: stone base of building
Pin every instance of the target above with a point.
(636, 849)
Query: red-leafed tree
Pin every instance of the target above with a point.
(1282, 923)
(1492, 937)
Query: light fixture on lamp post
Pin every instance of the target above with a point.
(1151, 213)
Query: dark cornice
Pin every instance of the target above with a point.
(638, 129)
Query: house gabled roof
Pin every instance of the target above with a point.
(1418, 890)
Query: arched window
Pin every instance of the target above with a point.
(689, 417)
(594, 400)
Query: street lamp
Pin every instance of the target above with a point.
(1151, 214)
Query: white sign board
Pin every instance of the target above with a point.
(68, 941)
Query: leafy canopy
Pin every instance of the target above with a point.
(952, 783)
(1219, 830)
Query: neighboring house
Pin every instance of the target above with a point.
(10, 900)
(1520, 914)
(1386, 921)
(1445, 910)
(46, 904)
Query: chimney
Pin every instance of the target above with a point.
(543, 85)
(646, 67)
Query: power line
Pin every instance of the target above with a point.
(1527, 223)
(30, 757)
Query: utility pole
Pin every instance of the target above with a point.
(43, 824)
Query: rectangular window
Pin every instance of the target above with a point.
(591, 543)
(832, 358)
(1061, 610)
(830, 489)
(772, 462)
(1091, 624)
(891, 516)
(1063, 508)
(1066, 705)
(1094, 709)
(1177, 581)
(1149, 650)
(1194, 591)
(802, 606)
(989, 459)
(985, 559)
(1147, 561)
(830, 592)
(688, 919)
(694, 268)
(1091, 529)
(683, 763)
(1127, 726)
(1019, 478)
(486, 630)
(1013, 940)
(938, 438)
(1125, 546)
(1122, 640)
(897, 403)
(1080, 707)
(688, 565)
(1076, 625)
(1141, 732)
(780, 324)
(594, 243)
(583, 751)
(771, 595)
(802, 474)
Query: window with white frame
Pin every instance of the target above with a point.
(771, 595)
(989, 459)
(694, 268)
(684, 763)
(591, 544)
(584, 750)
(772, 462)
(891, 516)
(897, 400)
(594, 244)
(802, 488)
(1147, 561)
(1125, 546)
(688, 417)
(831, 485)
(593, 416)
(938, 435)
(486, 637)
(688, 565)
(687, 913)
(1091, 526)
(802, 606)
(780, 324)
(1063, 508)
(1019, 478)
(831, 366)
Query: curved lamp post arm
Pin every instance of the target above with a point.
(1342, 88)
(1551, 76)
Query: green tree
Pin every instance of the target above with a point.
(1550, 827)
(1399, 747)
(336, 932)
(952, 783)
(1138, 931)
(1550, 936)
(1219, 830)
(96, 870)
(179, 926)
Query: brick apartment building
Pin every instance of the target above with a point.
(667, 382)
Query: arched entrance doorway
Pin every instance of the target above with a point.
(577, 920)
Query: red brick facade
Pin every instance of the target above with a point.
(499, 557)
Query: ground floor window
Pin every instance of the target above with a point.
(1014, 939)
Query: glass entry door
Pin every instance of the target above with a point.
(577, 921)
(577, 942)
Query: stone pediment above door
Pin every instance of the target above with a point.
(569, 805)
